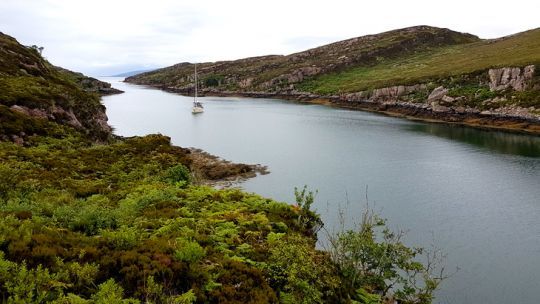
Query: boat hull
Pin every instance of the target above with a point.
(197, 110)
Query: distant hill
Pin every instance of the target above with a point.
(278, 73)
(420, 71)
(132, 73)
(90, 84)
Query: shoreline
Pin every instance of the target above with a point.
(406, 110)
(217, 172)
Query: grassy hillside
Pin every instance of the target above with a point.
(279, 72)
(444, 62)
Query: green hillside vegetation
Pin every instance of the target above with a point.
(434, 65)
(93, 218)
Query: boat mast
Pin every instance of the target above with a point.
(195, 98)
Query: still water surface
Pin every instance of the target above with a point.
(475, 193)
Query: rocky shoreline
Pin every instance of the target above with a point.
(214, 171)
(386, 101)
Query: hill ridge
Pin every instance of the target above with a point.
(276, 72)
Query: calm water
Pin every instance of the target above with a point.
(476, 193)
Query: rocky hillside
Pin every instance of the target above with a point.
(275, 73)
(35, 96)
(420, 71)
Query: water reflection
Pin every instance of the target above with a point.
(502, 142)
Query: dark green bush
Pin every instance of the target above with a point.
(213, 80)
(178, 175)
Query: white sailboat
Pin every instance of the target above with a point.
(197, 106)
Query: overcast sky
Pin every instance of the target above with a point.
(104, 37)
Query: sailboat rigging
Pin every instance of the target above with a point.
(197, 106)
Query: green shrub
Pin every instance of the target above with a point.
(122, 238)
(89, 219)
(111, 293)
(185, 298)
(188, 251)
(240, 283)
(373, 258)
(70, 298)
(21, 284)
(213, 80)
(307, 219)
(529, 98)
(178, 175)
(298, 272)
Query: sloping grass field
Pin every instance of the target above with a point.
(517, 50)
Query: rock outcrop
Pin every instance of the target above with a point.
(299, 74)
(394, 92)
(441, 105)
(35, 113)
(510, 77)
(439, 102)
(437, 94)
(381, 94)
